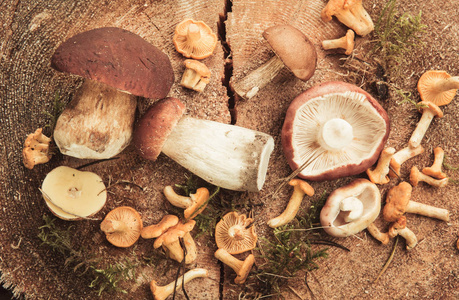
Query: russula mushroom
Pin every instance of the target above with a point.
(379, 174)
(399, 228)
(416, 176)
(233, 233)
(170, 242)
(71, 194)
(36, 149)
(241, 267)
(333, 130)
(194, 204)
(436, 169)
(351, 208)
(300, 188)
(122, 226)
(293, 50)
(351, 13)
(398, 203)
(438, 87)
(154, 231)
(162, 292)
(196, 75)
(402, 156)
(228, 156)
(116, 64)
(346, 42)
(194, 39)
(429, 111)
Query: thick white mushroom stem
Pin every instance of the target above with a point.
(428, 113)
(335, 134)
(379, 174)
(162, 292)
(416, 176)
(427, 210)
(249, 86)
(300, 188)
(224, 155)
(241, 267)
(383, 237)
(436, 169)
(402, 156)
(352, 207)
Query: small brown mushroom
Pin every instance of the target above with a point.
(194, 204)
(438, 87)
(122, 226)
(169, 240)
(233, 235)
(36, 149)
(194, 39)
(379, 174)
(399, 228)
(241, 267)
(436, 169)
(402, 156)
(416, 176)
(196, 75)
(351, 13)
(162, 292)
(154, 231)
(346, 42)
(429, 111)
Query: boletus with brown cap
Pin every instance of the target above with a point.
(293, 50)
(117, 66)
(333, 130)
(228, 156)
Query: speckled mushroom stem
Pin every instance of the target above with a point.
(427, 210)
(162, 292)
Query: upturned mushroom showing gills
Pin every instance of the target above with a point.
(438, 87)
(351, 208)
(333, 130)
(234, 233)
(194, 39)
(122, 226)
(228, 156)
(116, 64)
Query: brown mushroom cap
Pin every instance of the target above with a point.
(311, 110)
(232, 234)
(122, 226)
(118, 58)
(198, 47)
(294, 49)
(155, 126)
(428, 92)
(397, 199)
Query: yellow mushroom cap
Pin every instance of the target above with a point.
(429, 93)
(122, 226)
(232, 234)
(194, 39)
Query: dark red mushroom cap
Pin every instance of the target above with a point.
(155, 126)
(335, 129)
(118, 58)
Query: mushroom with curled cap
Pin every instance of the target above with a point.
(438, 87)
(194, 39)
(417, 176)
(169, 240)
(333, 130)
(233, 233)
(122, 226)
(346, 42)
(379, 174)
(154, 231)
(293, 50)
(351, 208)
(194, 204)
(224, 155)
(117, 66)
(36, 149)
(351, 13)
(196, 75)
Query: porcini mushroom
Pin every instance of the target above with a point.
(71, 194)
(402, 156)
(36, 149)
(416, 176)
(233, 233)
(122, 226)
(351, 208)
(436, 169)
(170, 242)
(194, 204)
(438, 87)
(117, 64)
(398, 203)
(194, 39)
(379, 174)
(196, 75)
(241, 267)
(293, 50)
(332, 130)
(162, 292)
(429, 111)
(228, 156)
(351, 13)
(300, 188)
(399, 228)
(346, 42)
(154, 231)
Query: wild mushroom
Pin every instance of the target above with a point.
(351, 208)
(228, 156)
(379, 174)
(71, 194)
(438, 87)
(346, 42)
(117, 64)
(194, 39)
(332, 130)
(402, 156)
(154, 231)
(416, 176)
(122, 226)
(293, 50)
(429, 111)
(241, 267)
(383, 237)
(170, 242)
(300, 188)
(36, 149)
(436, 169)
(162, 292)
(194, 204)
(351, 13)
(233, 233)
(398, 203)
(196, 75)
(399, 228)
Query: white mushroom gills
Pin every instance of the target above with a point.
(335, 134)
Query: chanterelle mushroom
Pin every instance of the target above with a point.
(333, 130)
(196, 75)
(438, 87)
(169, 240)
(351, 13)
(162, 292)
(122, 226)
(232, 234)
(429, 111)
(194, 204)
(346, 42)
(117, 65)
(228, 156)
(36, 149)
(241, 267)
(194, 39)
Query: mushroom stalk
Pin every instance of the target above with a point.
(162, 292)
(443, 85)
(110, 226)
(379, 174)
(409, 236)
(228, 156)
(428, 113)
(350, 13)
(402, 156)
(352, 208)
(346, 42)
(427, 210)
(436, 169)
(416, 176)
(241, 267)
(383, 237)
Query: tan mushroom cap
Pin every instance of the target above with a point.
(397, 199)
(232, 234)
(122, 226)
(194, 39)
(428, 92)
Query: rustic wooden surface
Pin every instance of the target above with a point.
(32, 30)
